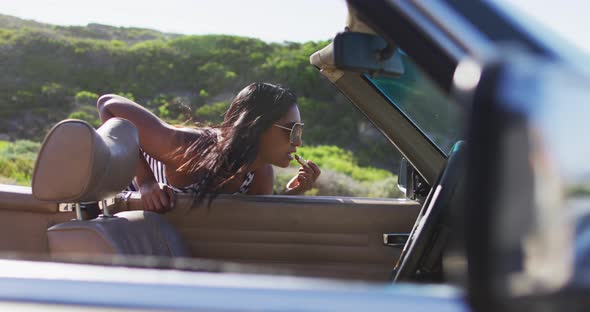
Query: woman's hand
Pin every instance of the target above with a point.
(157, 197)
(304, 179)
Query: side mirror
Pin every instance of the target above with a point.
(366, 53)
(410, 182)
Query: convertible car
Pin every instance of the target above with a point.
(487, 116)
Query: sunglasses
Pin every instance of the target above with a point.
(296, 132)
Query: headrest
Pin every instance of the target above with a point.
(77, 163)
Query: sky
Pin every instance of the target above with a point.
(269, 20)
(568, 18)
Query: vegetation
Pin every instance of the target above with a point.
(52, 72)
(343, 161)
(17, 160)
(341, 174)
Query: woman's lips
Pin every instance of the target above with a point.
(290, 156)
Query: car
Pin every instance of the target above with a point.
(487, 115)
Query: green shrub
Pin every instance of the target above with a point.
(88, 114)
(163, 111)
(343, 161)
(17, 160)
(86, 98)
(212, 113)
(127, 95)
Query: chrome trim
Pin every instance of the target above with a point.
(58, 283)
(79, 215)
(398, 240)
(105, 204)
(65, 207)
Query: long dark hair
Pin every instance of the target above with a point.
(214, 161)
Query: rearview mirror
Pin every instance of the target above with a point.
(366, 53)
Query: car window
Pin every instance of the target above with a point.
(424, 104)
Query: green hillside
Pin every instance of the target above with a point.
(92, 31)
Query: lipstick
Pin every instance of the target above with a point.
(301, 161)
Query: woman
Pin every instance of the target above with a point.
(262, 127)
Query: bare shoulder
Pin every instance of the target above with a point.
(156, 137)
(263, 181)
(188, 134)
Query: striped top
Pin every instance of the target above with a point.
(159, 170)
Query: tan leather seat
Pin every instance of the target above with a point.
(80, 164)
(127, 233)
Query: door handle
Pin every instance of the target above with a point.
(395, 239)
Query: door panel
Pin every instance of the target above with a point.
(24, 221)
(317, 236)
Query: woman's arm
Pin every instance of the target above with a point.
(151, 130)
(156, 137)
(154, 197)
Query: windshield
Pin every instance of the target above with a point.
(432, 112)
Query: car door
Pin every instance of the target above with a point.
(326, 236)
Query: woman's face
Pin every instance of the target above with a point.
(275, 147)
